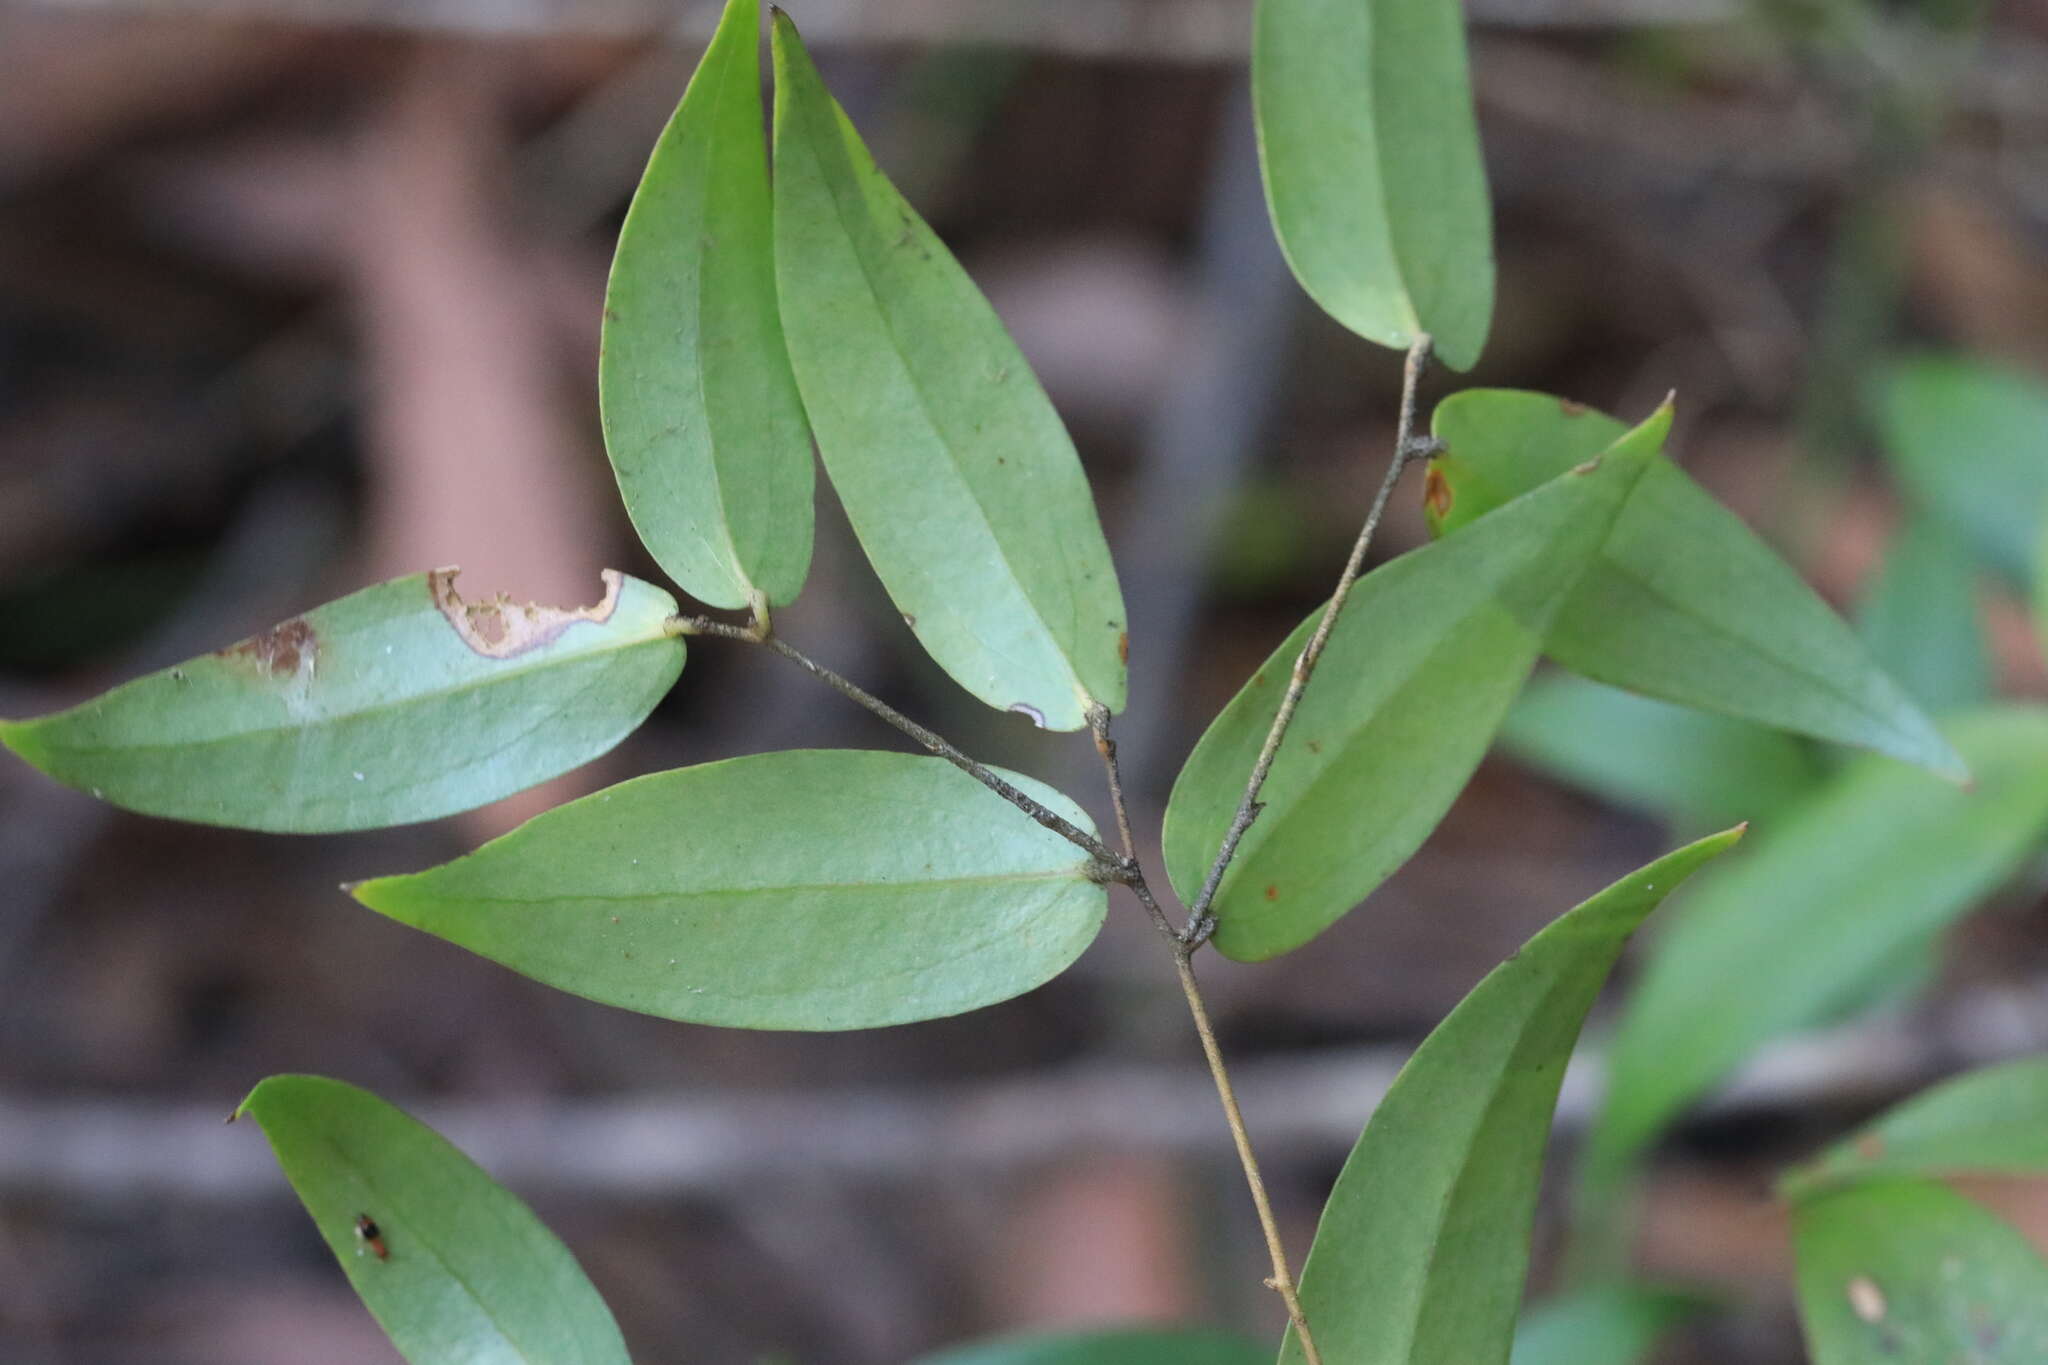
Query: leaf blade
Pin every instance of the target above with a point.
(962, 485)
(1422, 1248)
(1370, 154)
(759, 893)
(398, 703)
(1991, 1121)
(466, 1272)
(1417, 673)
(1119, 1346)
(702, 421)
(1909, 1270)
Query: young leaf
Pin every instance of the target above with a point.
(1970, 443)
(451, 1264)
(401, 702)
(1429, 652)
(1908, 1270)
(1123, 1346)
(1612, 1324)
(799, 890)
(1992, 1121)
(1920, 619)
(959, 479)
(1685, 604)
(1372, 166)
(701, 415)
(1696, 769)
(1422, 1249)
(1877, 860)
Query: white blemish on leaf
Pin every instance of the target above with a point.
(500, 628)
(1029, 712)
(1867, 1299)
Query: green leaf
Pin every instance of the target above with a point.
(1613, 1324)
(1685, 603)
(701, 415)
(1430, 650)
(1695, 769)
(1919, 619)
(1992, 1121)
(466, 1272)
(1911, 1272)
(1123, 1346)
(956, 473)
(1970, 443)
(810, 889)
(1372, 166)
(1424, 1243)
(1878, 859)
(398, 703)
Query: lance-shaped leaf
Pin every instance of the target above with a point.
(959, 479)
(452, 1265)
(398, 703)
(1970, 443)
(1690, 767)
(1428, 653)
(701, 415)
(1685, 603)
(797, 890)
(1876, 861)
(1993, 1121)
(1372, 166)
(1908, 1270)
(1124, 1346)
(1423, 1246)
(1611, 1324)
(1920, 618)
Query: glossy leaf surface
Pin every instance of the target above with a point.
(810, 889)
(1875, 862)
(1690, 767)
(1127, 1346)
(1424, 1244)
(960, 481)
(701, 415)
(1920, 618)
(398, 703)
(1372, 166)
(1911, 1271)
(1993, 1121)
(1429, 652)
(1970, 443)
(1685, 603)
(1615, 1324)
(466, 1275)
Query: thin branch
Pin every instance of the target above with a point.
(1098, 724)
(1406, 448)
(1113, 865)
(1282, 1282)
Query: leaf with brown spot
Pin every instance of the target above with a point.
(1992, 1121)
(395, 704)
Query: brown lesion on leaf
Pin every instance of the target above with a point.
(1436, 491)
(1571, 409)
(501, 628)
(283, 651)
(1123, 647)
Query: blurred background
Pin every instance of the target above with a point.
(301, 294)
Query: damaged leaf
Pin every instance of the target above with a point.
(1430, 650)
(1875, 861)
(1424, 1244)
(1684, 604)
(701, 415)
(956, 473)
(1909, 1271)
(398, 703)
(451, 1264)
(756, 893)
(1372, 167)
